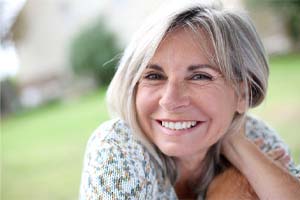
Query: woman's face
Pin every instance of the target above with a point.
(183, 103)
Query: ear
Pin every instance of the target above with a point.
(241, 104)
(241, 101)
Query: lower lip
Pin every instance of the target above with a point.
(179, 132)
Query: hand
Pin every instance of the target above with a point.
(279, 154)
(232, 185)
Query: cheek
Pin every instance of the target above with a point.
(226, 100)
(145, 102)
(140, 103)
(218, 102)
(146, 105)
(220, 106)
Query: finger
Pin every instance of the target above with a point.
(276, 154)
(285, 160)
(259, 142)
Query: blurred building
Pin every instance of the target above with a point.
(42, 34)
(45, 28)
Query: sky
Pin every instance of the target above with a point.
(9, 62)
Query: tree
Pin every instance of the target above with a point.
(94, 51)
(290, 11)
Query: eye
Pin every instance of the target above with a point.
(205, 77)
(154, 76)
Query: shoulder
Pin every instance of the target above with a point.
(114, 131)
(116, 166)
(115, 138)
(112, 166)
(230, 184)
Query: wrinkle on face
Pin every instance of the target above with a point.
(178, 97)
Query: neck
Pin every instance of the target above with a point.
(189, 172)
(190, 168)
(183, 191)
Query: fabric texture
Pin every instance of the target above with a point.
(117, 166)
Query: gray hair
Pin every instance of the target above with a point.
(238, 52)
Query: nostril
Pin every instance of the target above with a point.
(173, 104)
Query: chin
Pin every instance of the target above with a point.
(170, 149)
(178, 150)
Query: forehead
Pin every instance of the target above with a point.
(184, 47)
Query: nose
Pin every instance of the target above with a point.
(174, 97)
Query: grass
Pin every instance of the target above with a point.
(42, 150)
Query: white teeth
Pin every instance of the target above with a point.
(178, 125)
(171, 125)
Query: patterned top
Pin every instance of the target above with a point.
(117, 166)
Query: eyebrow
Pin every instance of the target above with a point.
(190, 68)
(155, 66)
(201, 66)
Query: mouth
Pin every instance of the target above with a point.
(178, 125)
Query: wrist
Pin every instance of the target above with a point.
(235, 150)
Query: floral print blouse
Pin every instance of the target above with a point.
(117, 166)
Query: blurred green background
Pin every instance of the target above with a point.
(54, 69)
(43, 148)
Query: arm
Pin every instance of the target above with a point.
(271, 144)
(108, 173)
(232, 185)
(268, 179)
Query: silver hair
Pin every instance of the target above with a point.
(237, 51)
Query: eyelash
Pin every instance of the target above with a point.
(202, 77)
(157, 76)
(154, 76)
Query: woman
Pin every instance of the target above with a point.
(180, 97)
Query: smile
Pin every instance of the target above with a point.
(178, 125)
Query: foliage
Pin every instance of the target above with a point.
(289, 9)
(93, 51)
